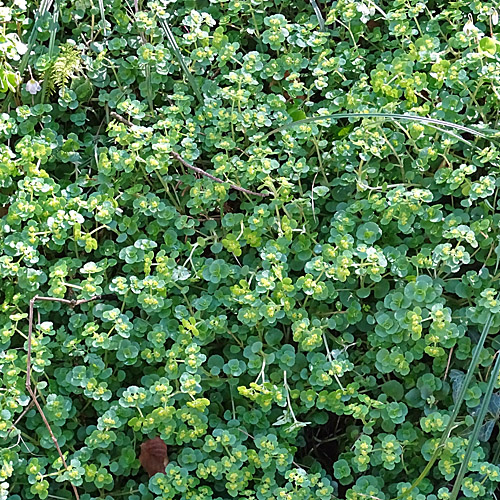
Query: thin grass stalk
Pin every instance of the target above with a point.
(475, 432)
(319, 15)
(456, 409)
(175, 48)
(45, 5)
(149, 88)
(50, 53)
(389, 116)
(456, 136)
(101, 9)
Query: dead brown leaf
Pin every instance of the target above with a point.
(154, 457)
(4, 210)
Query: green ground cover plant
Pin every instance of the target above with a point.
(265, 232)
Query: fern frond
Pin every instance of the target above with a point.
(67, 64)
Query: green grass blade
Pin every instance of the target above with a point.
(475, 432)
(50, 53)
(45, 6)
(390, 116)
(175, 48)
(318, 13)
(103, 17)
(456, 136)
(456, 409)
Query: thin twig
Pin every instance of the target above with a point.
(448, 364)
(312, 196)
(198, 170)
(32, 389)
(121, 119)
(26, 410)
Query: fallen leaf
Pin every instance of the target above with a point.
(4, 210)
(154, 457)
(371, 24)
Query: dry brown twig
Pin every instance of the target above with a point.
(448, 364)
(198, 170)
(31, 388)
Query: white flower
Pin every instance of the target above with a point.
(470, 29)
(33, 87)
(5, 14)
(366, 12)
(4, 491)
(494, 17)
